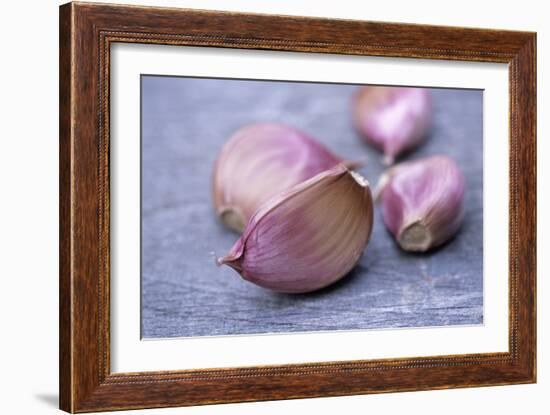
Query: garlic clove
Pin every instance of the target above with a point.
(422, 202)
(307, 237)
(258, 162)
(393, 119)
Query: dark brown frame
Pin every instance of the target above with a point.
(86, 33)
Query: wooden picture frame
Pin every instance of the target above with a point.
(86, 33)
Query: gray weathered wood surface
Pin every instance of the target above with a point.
(184, 124)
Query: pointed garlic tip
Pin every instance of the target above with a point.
(393, 119)
(229, 261)
(423, 202)
(384, 180)
(258, 162)
(307, 237)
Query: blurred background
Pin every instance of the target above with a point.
(185, 122)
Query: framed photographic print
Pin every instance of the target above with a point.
(259, 207)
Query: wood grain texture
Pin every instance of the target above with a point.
(86, 32)
(65, 247)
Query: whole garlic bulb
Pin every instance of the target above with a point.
(307, 237)
(393, 119)
(258, 162)
(422, 202)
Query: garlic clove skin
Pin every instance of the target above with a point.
(258, 162)
(393, 119)
(422, 202)
(307, 237)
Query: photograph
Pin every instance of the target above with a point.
(275, 206)
(256, 205)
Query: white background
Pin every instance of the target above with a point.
(129, 354)
(29, 208)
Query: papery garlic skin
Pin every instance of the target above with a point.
(423, 202)
(307, 237)
(393, 119)
(260, 161)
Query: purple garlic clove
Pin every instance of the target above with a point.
(422, 202)
(307, 237)
(393, 119)
(258, 162)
